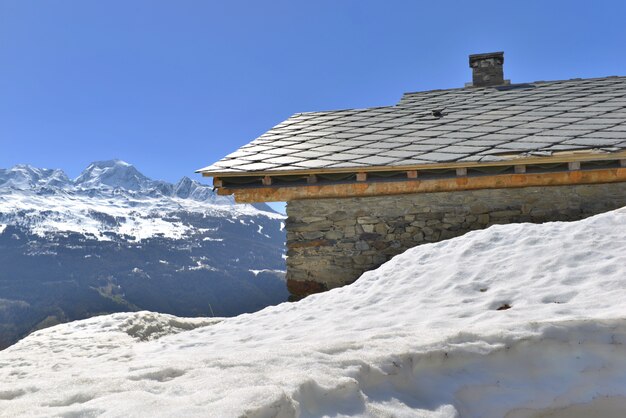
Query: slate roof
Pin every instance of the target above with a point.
(479, 125)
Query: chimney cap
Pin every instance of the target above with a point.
(474, 58)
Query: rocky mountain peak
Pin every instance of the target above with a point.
(113, 173)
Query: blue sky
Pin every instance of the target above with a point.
(172, 86)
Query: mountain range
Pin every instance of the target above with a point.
(114, 240)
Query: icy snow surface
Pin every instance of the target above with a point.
(514, 321)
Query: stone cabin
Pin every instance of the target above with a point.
(363, 185)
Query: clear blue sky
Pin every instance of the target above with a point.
(172, 86)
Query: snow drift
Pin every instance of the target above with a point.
(514, 321)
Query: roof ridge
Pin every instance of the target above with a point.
(471, 88)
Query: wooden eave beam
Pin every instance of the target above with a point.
(362, 189)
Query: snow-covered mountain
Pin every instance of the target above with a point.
(515, 321)
(113, 239)
(106, 177)
(115, 174)
(24, 177)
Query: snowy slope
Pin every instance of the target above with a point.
(138, 217)
(513, 321)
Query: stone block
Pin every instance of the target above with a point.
(369, 236)
(334, 234)
(362, 245)
(312, 219)
(419, 236)
(381, 228)
(312, 235)
(345, 222)
(314, 226)
(380, 244)
(367, 220)
(447, 235)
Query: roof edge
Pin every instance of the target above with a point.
(572, 157)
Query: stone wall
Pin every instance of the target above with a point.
(331, 242)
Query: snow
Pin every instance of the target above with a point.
(422, 336)
(260, 231)
(109, 197)
(212, 239)
(256, 272)
(140, 217)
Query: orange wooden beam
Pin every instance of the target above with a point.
(319, 191)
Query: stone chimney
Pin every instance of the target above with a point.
(487, 69)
